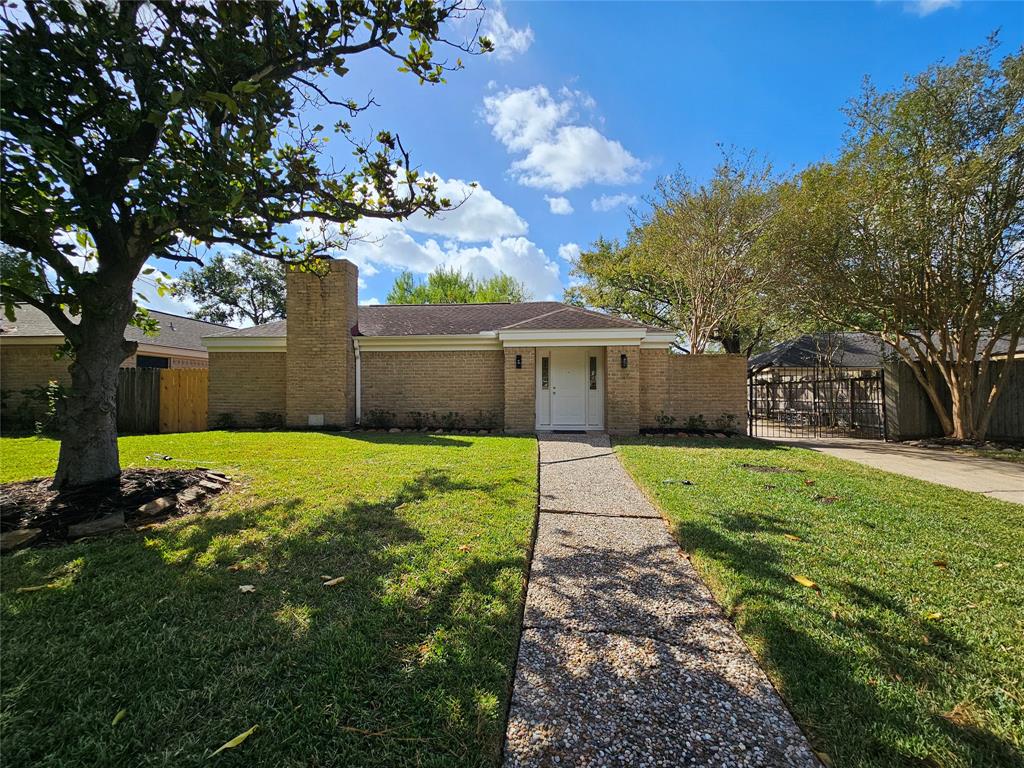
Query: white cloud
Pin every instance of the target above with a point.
(373, 301)
(928, 7)
(480, 216)
(560, 206)
(569, 251)
(560, 154)
(608, 202)
(508, 40)
(484, 236)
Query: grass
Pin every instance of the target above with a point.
(407, 662)
(910, 651)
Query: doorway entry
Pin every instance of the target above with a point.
(570, 388)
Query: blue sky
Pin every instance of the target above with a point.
(584, 105)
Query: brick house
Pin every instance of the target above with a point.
(29, 345)
(516, 367)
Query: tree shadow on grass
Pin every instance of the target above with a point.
(407, 660)
(817, 656)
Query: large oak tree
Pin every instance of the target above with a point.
(916, 233)
(133, 131)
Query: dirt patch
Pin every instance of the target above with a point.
(32, 514)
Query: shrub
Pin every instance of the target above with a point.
(451, 421)
(487, 420)
(32, 410)
(378, 418)
(696, 422)
(726, 422)
(224, 421)
(665, 421)
(269, 420)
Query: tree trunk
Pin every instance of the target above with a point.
(88, 416)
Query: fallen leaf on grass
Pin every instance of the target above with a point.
(121, 714)
(934, 616)
(36, 588)
(235, 567)
(808, 482)
(805, 582)
(1001, 565)
(235, 741)
(791, 537)
(826, 499)
(246, 589)
(464, 548)
(940, 564)
(334, 582)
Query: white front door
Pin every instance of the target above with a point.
(568, 386)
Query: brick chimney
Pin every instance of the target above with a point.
(322, 311)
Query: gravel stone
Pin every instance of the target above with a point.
(626, 658)
(580, 473)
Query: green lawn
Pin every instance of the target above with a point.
(896, 661)
(406, 662)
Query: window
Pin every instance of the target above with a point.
(545, 373)
(593, 373)
(151, 361)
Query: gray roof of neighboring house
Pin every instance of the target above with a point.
(463, 319)
(842, 350)
(175, 331)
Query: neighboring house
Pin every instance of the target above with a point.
(854, 383)
(516, 367)
(29, 346)
(810, 354)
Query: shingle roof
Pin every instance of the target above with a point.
(175, 331)
(463, 319)
(845, 350)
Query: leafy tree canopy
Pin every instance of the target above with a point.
(451, 286)
(134, 131)
(241, 288)
(916, 233)
(696, 262)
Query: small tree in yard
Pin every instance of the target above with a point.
(140, 130)
(696, 263)
(231, 289)
(916, 234)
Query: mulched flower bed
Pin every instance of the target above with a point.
(33, 514)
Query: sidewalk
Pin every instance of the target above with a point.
(625, 658)
(992, 477)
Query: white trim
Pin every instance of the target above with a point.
(154, 349)
(31, 341)
(453, 343)
(359, 383)
(144, 348)
(245, 343)
(603, 337)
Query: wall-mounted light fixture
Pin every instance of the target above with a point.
(624, 361)
(519, 361)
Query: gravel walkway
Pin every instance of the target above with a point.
(626, 658)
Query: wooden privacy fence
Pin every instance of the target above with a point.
(151, 400)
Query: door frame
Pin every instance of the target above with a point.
(594, 398)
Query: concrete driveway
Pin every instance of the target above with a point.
(992, 477)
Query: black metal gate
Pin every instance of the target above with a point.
(820, 404)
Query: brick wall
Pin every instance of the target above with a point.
(322, 310)
(688, 386)
(622, 390)
(244, 384)
(23, 367)
(520, 390)
(400, 385)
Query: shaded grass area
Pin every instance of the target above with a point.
(910, 649)
(407, 661)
